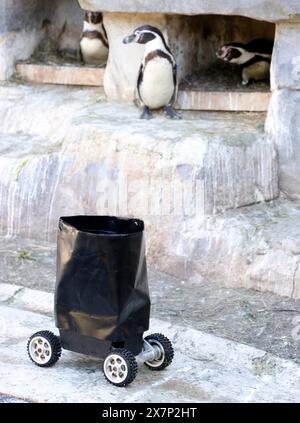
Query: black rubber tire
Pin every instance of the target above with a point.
(55, 344)
(166, 347)
(131, 363)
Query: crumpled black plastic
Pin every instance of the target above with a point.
(101, 284)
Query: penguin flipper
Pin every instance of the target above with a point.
(81, 59)
(139, 81)
(174, 96)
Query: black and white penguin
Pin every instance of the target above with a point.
(157, 78)
(254, 58)
(93, 42)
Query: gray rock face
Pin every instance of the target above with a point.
(21, 27)
(80, 151)
(286, 57)
(82, 155)
(254, 247)
(269, 10)
(283, 125)
(22, 15)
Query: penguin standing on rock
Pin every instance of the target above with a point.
(93, 42)
(254, 58)
(157, 78)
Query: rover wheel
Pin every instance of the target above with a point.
(120, 367)
(44, 348)
(165, 349)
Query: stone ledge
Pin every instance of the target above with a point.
(65, 75)
(223, 101)
(283, 125)
(286, 58)
(187, 99)
(269, 10)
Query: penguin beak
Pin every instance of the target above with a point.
(129, 39)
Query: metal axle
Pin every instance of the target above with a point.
(148, 353)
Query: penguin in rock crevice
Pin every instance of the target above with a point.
(93, 42)
(157, 77)
(254, 58)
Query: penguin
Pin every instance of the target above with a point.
(157, 78)
(254, 58)
(93, 42)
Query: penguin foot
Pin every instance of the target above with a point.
(171, 114)
(146, 114)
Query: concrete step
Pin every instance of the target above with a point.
(103, 159)
(206, 368)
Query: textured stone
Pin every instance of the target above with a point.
(254, 247)
(23, 15)
(21, 27)
(286, 57)
(283, 125)
(80, 151)
(269, 10)
(16, 46)
(55, 74)
(223, 101)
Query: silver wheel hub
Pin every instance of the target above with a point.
(115, 368)
(40, 350)
(159, 353)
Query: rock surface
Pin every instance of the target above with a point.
(253, 247)
(16, 46)
(283, 125)
(21, 27)
(66, 151)
(286, 58)
(269, 10)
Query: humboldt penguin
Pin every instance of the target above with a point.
(93, 42)
(157, 77)
(254, 58)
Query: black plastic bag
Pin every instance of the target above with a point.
(102, 297)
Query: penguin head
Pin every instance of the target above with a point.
(93, 17)
(143, 34)
(230, 52)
